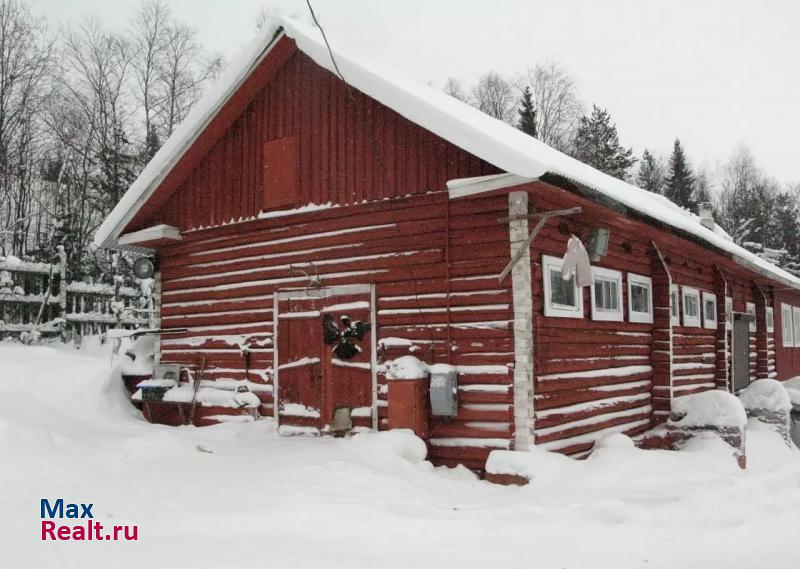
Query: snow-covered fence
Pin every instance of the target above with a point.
(94, 308)
(35, 301)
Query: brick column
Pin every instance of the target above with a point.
(522, 295)
(661, 356)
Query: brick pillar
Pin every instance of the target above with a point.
(762, 349)
(522, 295)
(661, 356)
(722, 348)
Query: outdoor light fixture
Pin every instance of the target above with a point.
(598, 242)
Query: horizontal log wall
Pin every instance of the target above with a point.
(219, 284)
(596, 377)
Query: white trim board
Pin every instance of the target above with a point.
(151, 234)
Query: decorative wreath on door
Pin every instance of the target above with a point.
(344, 337)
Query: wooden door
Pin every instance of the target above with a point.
(324, 382)
(347, 379)
(299, 366)
(741, 350)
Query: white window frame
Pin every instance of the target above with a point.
(770, 319)
(787, 326)
(674, 305)
(691, 321)
(550, 264)
(750, 308)
(600, 313)
(646, 282)
(728, 313)
(796, 325)
(709, 296)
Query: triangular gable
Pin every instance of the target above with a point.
(462, 125)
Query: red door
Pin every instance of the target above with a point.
(299, 366)
(324, 381)
(347, 369)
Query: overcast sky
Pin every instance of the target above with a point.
(715, 73)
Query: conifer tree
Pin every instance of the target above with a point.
(527, 113)
(680, 183)
(597, 144)
(651, 174)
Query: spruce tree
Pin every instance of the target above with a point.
(680, 183)
(702, 188)
(597, 144)
(651, 174)
(527, 113)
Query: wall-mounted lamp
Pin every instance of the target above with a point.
(598, 242)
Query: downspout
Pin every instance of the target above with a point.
(449, 346)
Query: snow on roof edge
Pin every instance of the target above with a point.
(185, 135)
(472, 130)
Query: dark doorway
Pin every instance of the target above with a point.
(741, 350)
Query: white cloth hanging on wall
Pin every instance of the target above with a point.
(576, 261)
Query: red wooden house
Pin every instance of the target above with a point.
(296, 193)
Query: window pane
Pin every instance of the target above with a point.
(711, 312)
(673, 303)
(562, 292)
(691, 304)
(640, 298)
(606, 294)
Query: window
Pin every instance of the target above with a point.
(562, 297)
(728, 313)
(640, 298)
(787, 329)
(751, 309)
(674, 306)
(691, 307)
(770, 319)
(796, 327)
(606, 295)
(709, 310)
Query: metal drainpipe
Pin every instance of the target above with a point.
(447, 273)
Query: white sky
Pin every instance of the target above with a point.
(716, 73)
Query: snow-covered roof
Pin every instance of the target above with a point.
(487, 138)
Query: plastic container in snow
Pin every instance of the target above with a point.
(153, 393)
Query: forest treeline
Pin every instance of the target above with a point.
(83, 108)
(756, 210)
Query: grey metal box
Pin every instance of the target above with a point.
(167, 371)
(444, 393)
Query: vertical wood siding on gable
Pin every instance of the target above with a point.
(351, 149)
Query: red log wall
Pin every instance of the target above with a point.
(435, 265)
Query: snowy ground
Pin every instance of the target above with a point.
(263, 501)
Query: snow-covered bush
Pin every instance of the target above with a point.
(766, 395)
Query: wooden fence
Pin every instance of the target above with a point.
(35, 299)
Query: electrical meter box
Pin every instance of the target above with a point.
(444, 392)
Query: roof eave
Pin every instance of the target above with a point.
(130, 210)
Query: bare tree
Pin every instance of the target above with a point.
(24, 61)
(149, 41)
(182, 74)
(455, 89)
(555, 96)
(494, 95)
